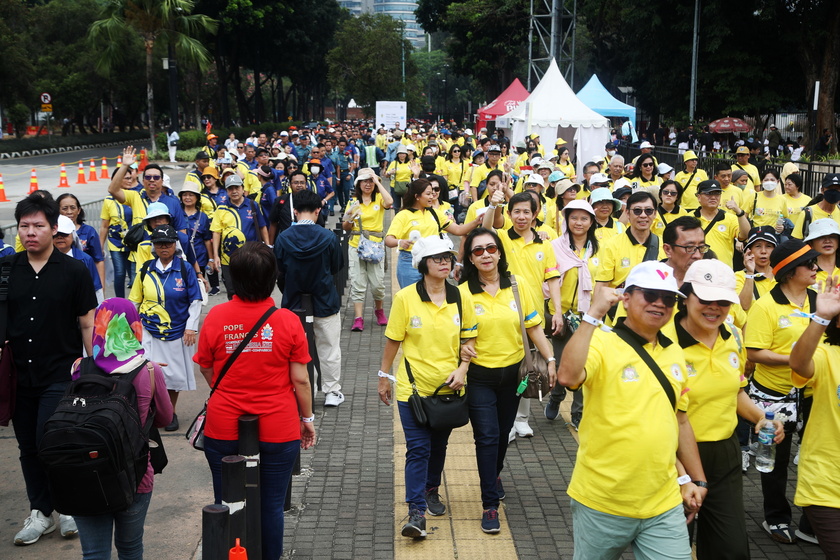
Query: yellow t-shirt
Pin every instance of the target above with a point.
(607, 232)
(689, 195)
(138, 205)
(772, 327)
(568, 170)
(765, 210)
(403, 171)
(445, 210)
(409, 219)
(795, 205)
(741, 198)
(721, 238)
(569, 287)
(455, 173)
(251, 183)
(816, 213)
(373, 219)
(619, 255)
(751, 170)
(481, 172)
(716, 375)
(819, 461)
(760, 285)
(663, 218)
(533, 260)
(629, 435)
(473, 210)
(114, 212)
(430, 336)
(499, 339)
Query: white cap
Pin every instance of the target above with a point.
(664, 168)
(599, 178)
(645, 144)
(712, 280)
(65, 225)
(535, 179)
(623, 182)
(494, 148)
(284, 133)
(428, 247)
(652, 275)
(821, 228)
(468, 132)
(545, 165)
(411, 148)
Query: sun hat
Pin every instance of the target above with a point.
(210, 170)
(689, 155)
(789, 255)
(712, 280)
(821, 228)
(156, 209)
(652, 275)
(645, 144)
(556, 176)
(428, 247)
(579, 204)
(664, 168)
(366, 173)
(564, 185)
(604, 195)
(402, 149)
(764, 233)
(191, 188)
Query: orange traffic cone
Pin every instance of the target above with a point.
(81, 179)
(3, 190)
(119, 161)
(144, 161)
(33, 182)
(92, 177)
(62, 182)
(238, 552)
(104, 174)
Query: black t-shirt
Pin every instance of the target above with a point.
(43, 317)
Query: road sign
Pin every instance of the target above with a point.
(46, 98)
(46, 107)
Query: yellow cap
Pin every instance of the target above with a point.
(689, 155)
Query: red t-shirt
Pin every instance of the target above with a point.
(259, 381)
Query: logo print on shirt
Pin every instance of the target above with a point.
(267, 333)
(415, 322)
(689, 366)
(456, 319)
(539, 255)
(721, 227)
(479, 309)
(513, 305)
(629, 374)
(625, 262)
(784, 321)
(376, 207)
(676, 372)
(734, 360)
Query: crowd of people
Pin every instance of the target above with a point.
(580, 263)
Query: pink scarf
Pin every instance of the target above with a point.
(568, 259)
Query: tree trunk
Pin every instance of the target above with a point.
(829, 74)
(241, 101)
(150, 96)
(224, 79)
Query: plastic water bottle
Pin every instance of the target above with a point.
(765, 457)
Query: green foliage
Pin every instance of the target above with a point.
(18, 115)
(194, 140)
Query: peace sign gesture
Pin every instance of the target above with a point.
(828, 300)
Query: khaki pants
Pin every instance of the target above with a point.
(365, 274)
(327, 340)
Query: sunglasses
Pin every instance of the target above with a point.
(652, 296)
(478, 251)
(646, 211)
(443, 258)
(152, 177)
(456, 151)
(435, 189)
(668, 193)
(810, 264)
(719, 303)
(647, 165)
(691, 249)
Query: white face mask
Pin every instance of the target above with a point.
(769, 185)
(314, 169)
(611, 153)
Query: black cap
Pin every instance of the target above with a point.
(609, 146)
(202, 155)
(164, 234)
(762, 233)
(831, 180)
(708, 186)
(621, 191)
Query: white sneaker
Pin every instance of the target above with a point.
(333, 398)
(796, 459)
(745, 461)
(512, 435)
(523, 429)
(67, 526)
(34, 526)
(807, 537)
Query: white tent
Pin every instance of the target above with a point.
(554, 111)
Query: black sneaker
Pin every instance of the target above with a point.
(575, 421)
(552, 408)
(173, 426)
(416, 526)
(490, 521)
(434, 506)
(499, 488)
(214, 291)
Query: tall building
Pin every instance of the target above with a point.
(397, 9)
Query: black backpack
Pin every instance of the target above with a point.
(94, 449)
(134, 236)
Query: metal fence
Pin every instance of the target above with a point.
(812, 172)
(92, 212)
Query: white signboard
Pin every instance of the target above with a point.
(391, 114)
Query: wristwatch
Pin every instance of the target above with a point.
(700, 483)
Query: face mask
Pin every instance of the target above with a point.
(314, 169)
(832, 196)
(611, 153)
(769, 185)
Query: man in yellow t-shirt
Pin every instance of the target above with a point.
(721, 228)
(688, 179)
(742, 157)
(634, 427)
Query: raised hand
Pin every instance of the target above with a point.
(129, 155)
(828, 301)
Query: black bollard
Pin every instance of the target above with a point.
(233, 496)
(249, 447)
(215, 537)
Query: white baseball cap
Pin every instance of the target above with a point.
(428, 247)
(535, 179)
(821, 228)
(65, 225)
(645, 144)
(664, 168)
(622, 182)
(652, 275)
(599, 178)
(712, 280)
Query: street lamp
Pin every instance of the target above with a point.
(445, 91)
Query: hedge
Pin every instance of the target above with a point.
(196, 139)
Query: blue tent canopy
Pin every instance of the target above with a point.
(595, 96)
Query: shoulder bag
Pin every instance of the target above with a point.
(369, 250)
(648, 359)
(438, 412)
(533, 373)
(195, 435)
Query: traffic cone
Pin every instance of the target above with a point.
(81, 179)
(104, 174)
(33, 182)
(3, 190)
(62, 182)
(238, 552)
(92, 177)
(119, 161)
(144, 160)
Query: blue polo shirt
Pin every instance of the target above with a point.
(165, 298)
(80, 255)
(246, 217)
(179, 221)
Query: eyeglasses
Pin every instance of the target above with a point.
(719, 303)
(442, 258)
(668, 193)
(691, 249)
(152, 177)
(669, 299)
(649, 164)
(646, 211)
(478, 251)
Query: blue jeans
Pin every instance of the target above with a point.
(95, 531)
(406, 274)
(493, 403)
(425, 454)
(120, 261)
(276, 463)
(33, 407)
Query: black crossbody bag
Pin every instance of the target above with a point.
(654, 367)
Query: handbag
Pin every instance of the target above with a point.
(400, 187)
(533, 373)
(438, 412)
(368, 250)
(8, 372)
(195, 433)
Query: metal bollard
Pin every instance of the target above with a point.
(233, 496)
(249, 447)
(215, 536)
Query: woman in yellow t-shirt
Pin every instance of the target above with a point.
(668, 209)
(794, 197)
(116, 219)
(715, 358)
(757, 277)
(499, 352)
(366, 216)
(824, 238)
(768, 207)
(455, 169)
(564, 164)
(644, 175)
(401, 171)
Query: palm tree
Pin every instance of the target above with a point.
(153, 20)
